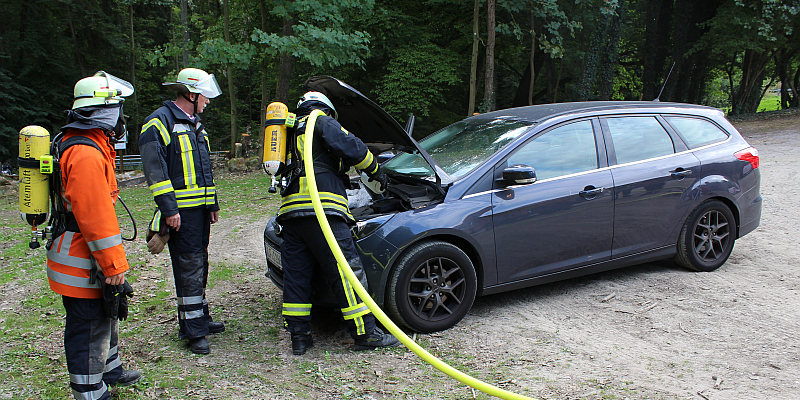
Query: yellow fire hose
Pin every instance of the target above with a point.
(351, 277)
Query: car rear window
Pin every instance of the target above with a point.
(697, 132)
(639, 138)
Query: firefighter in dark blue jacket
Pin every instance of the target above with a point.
(176, 162)
(304, 250)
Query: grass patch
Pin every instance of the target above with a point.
(770, 102)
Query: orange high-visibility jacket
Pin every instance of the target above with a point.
(89, 189)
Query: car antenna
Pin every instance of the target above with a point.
(665, 82)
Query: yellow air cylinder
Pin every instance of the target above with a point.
(35, 163)
(275, 123)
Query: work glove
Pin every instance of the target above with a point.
(115, 298)
(124, 292)
(156, 241)
(381, 178)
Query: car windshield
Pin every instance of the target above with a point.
(460, 147)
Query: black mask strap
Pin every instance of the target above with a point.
(194, 102)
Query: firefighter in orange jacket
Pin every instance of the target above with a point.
(89, 241)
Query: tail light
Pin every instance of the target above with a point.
(750, 155)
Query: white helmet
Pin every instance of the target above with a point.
(317, 96)
(195, 80)
(100, 89)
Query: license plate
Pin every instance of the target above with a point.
(274, 256)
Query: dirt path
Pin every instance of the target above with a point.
(649, 331)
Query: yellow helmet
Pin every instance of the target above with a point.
(195, 80)
(100, 89)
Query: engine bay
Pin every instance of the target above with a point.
(403, 193)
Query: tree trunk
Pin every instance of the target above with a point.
(185, 25)
(78, 57)
(533, 53)
(750, 85)
(592, 59)
(489, 95)
(783, 64)
(231, 87)
(611, 53)
(133, 133)
(473, 77)
(549, 68)
(285, 66)
(558, 80)
(658, 16)
(264, 71)
(795, 102)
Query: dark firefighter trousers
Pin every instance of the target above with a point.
(90, 344)
(188, 249)
(304, 252)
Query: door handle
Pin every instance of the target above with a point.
(590, 191)
(680, 173)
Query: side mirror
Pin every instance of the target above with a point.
(520, 174)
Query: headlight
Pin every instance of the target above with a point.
(369, 226)
(276, 227)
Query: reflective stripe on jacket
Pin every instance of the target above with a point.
(89, 191)
(335, 150)
(176, 159)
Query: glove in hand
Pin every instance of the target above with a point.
(381, 178)
(115, 298)
(156, 242)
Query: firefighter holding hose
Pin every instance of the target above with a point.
(304, 249)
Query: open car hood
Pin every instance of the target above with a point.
(368, 121)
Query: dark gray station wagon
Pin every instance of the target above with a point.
(531, 195)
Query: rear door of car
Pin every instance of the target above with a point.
(653, 175)
(564, 219)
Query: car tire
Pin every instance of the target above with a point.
(707, 237)
(432, 287)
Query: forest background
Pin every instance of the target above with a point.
(440, 60)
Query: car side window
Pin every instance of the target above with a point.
(639, 138)
(697, 132)
(567, 149)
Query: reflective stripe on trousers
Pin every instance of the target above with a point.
(90, 345)
(188, 250)
(304, 252)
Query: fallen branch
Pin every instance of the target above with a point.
(648, 308)
(609, 297)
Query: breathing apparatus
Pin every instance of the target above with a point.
(277, 154)
(344, 267)
(193, 80)
(35, 165)
(276, 121)
(97, 104)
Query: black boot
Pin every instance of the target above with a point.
(128, 378)
(199, 345)
(216, 327)
(301, 343)
(376, 338)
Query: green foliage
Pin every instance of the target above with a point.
(416, 79)
(751, 24)
(554, 24)
(318, 46)
(323, 35)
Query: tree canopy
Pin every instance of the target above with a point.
(411, 57)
